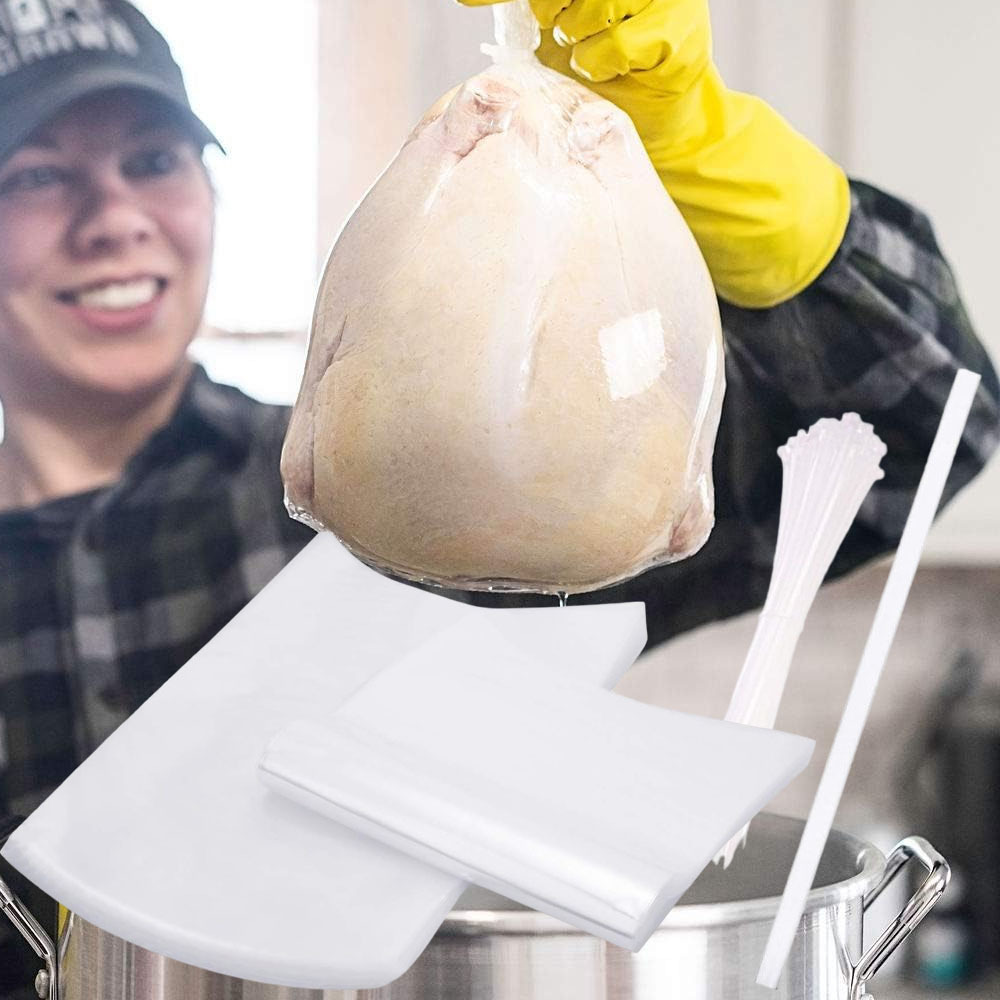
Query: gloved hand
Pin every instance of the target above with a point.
(767, 208)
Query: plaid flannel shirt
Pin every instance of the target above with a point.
(105, 595)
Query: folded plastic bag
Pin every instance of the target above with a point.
(515, 371)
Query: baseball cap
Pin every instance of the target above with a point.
(53, 52)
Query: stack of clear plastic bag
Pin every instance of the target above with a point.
(515, 371)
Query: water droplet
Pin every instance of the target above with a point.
(563, 597)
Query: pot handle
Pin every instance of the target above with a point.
(47, 980)
(916, 908)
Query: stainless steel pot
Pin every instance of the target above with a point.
(708, 948)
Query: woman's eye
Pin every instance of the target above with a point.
(31, 179)
(151, 163)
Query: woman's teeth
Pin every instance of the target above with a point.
(120, 294)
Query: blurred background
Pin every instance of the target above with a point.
(312, 99)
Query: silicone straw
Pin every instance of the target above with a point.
(883, 630)
(827, 472)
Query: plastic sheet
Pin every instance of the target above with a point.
(515, 371)
(165, 837)
(532, 782)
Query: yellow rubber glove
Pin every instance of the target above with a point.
(767, 208)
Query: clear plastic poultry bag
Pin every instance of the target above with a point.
(515, 371)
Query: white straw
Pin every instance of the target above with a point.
(883, 630)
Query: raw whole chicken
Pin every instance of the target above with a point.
(515, 371)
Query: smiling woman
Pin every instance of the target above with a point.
(106, 214)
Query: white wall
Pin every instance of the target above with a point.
(786, 51)
(924, 123)
(250, 71)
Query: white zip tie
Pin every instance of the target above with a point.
(852, 722)
(827, 472)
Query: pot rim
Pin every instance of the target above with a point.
(870, 863)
